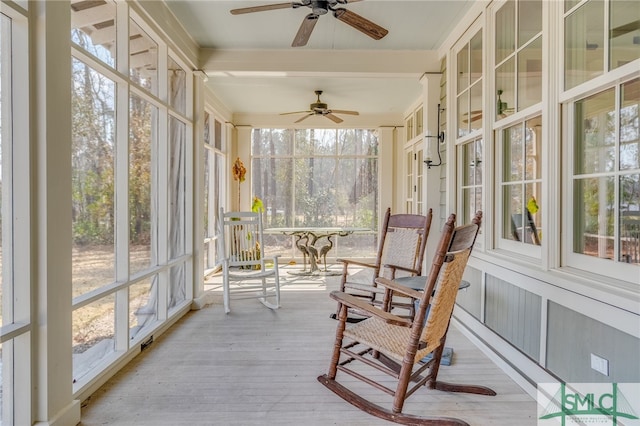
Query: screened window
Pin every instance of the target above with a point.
(606, 181)
(131, 173)
(318, 177)
(95, 21)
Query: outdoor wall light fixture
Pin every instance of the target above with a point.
(440, 137)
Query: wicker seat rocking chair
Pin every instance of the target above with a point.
(400, 253)
(397, 346)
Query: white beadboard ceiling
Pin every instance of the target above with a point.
(254, 72)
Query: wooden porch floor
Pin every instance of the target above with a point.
(259, 367)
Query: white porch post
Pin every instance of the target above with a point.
(53, 371)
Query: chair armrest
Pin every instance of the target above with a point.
(356, 262)
(402, 268)
(392, 285)
(354, 302)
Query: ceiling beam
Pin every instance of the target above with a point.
(372, 63)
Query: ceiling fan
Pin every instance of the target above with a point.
(318, 8)
(320, 108)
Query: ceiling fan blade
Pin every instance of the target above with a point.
(360, 23)
(341, 111)
(333, 118)
(295, 112)
(261, 8)
(303, 118)
(304, 32)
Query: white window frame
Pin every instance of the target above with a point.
(160, 265)
(612, 269)
(212, 152)
(511, 246)
(599, 270)
(15, 334)
(472, 136)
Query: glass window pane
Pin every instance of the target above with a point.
(468, 203)
(595, 133)
(477, 161)
(409, 175)
(207, 191)
(475, 115)
(177, 86)
(513, 145)
(594, 217)
(207, 128)
(475, 46)
(471, 166)
(584, 43)
(630, 126)
(142, 135)
(532, 217)
(568, 4)
(624, 32)
(630, 218)
(217, 131)
(93, 335)
(529, 20)
(505, 31)
(92, 178)
(505, 88)
(143, 58)
(512, 205)
(463, 68)
(475, 206)
(143, 307)
(533, 148)
(530, 74)
(468, 164)
(463, 114)
(93, 28)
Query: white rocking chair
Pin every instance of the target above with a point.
(247, 273)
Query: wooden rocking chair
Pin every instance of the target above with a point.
(400, 253)
(244, 262)
(395, 345)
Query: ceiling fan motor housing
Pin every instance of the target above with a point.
(317, 105)
(319, 7)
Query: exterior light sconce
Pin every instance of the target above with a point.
(440, 137)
